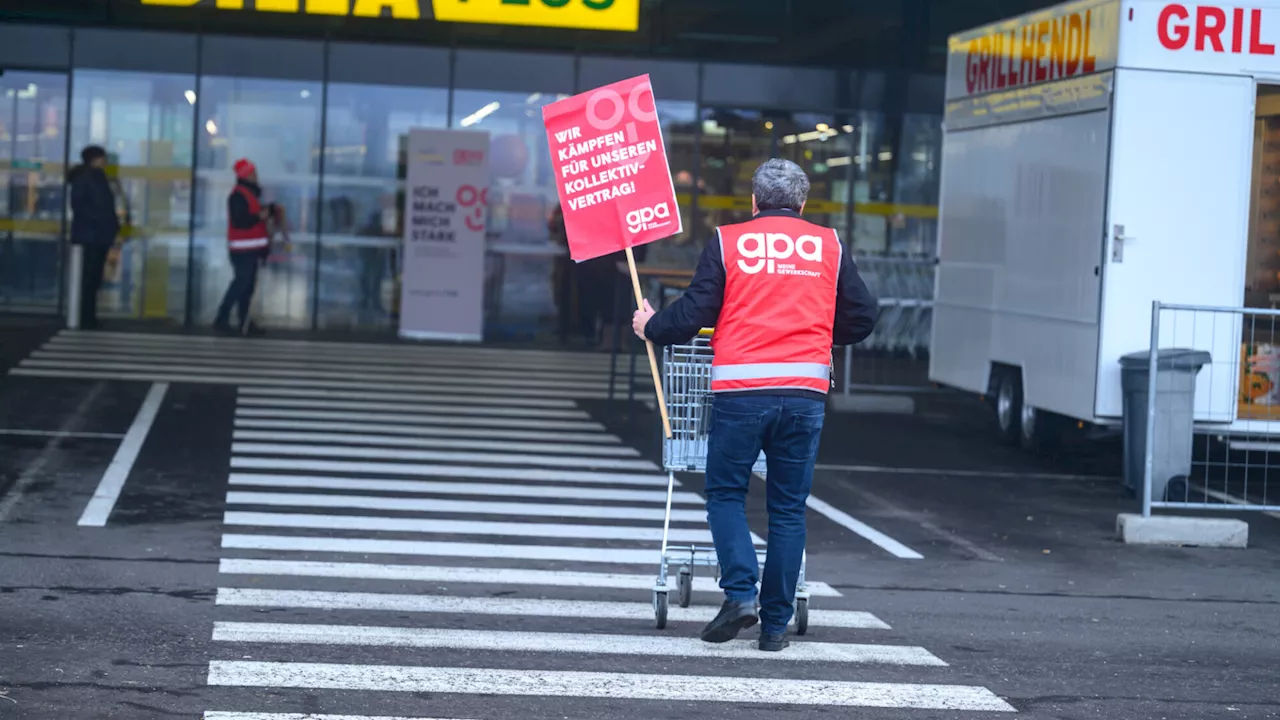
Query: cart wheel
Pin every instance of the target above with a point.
(684, 584)
(660, 609)
(802, 616)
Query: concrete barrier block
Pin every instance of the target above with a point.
(1171, 530)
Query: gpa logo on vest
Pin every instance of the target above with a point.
(649, 218)
(767, 252)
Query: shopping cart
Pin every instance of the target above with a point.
(686, 375)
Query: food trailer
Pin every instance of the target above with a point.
(1098, 156)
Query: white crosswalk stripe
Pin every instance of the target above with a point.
(369, 440)
(530, 607)
(380, 493)
(662, 646)
(630, 686)
(426, 487)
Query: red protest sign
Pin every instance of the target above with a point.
(611, 169)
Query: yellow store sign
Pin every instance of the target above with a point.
(590, 14)
(623, 15)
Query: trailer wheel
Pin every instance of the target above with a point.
(1009, 407)
(1039, 430)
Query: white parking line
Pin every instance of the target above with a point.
(104, 498)
(481, 576)
(533, 607)
(635, 686)
(844, 519)
(585, 643)
(64, 434)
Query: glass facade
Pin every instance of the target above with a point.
(33, 121)
(326, 124)
(145, 122)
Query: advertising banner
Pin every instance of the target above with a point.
(611, 169)
(445, 212)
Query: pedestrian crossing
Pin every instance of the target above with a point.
(418, 533)
(460, 378)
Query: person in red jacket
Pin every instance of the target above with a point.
(249, 243)
(779, 291)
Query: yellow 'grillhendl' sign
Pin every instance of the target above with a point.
(621, 15)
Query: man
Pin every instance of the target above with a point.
(249, 243)
(94, 226)
(779, 291)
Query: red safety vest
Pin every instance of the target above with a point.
(251, 239)
(774, 331)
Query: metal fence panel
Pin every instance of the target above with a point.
(1235, 411)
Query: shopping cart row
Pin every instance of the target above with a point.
(904, 287)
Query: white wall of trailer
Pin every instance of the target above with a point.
(1020, 242)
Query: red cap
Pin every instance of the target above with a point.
(244, 168)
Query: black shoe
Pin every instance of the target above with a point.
(253, 330)
(734, 617)
(773, 643)
(224, 329)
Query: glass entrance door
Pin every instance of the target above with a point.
(33, 166)
(145, 121)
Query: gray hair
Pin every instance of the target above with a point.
(779, 185)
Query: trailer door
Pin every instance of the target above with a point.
(1178, 206)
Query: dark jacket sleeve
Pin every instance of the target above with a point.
(698, 308)
(238, 212)
(856, 309)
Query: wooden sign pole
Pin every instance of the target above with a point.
(653, 360)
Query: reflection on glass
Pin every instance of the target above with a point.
(679, 129)
(735, 142)
(367, 128)
(144, 121)
(519, 298)
(916, 184)
(276, 125)
(33, 115)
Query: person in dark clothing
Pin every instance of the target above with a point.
(94, 226)
(249, 243)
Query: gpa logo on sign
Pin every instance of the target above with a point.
(765, 252)
(644, 219)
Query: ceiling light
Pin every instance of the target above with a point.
(190, 95)
(480, 114)
(211, 127)
(823, 127)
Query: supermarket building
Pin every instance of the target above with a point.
(320, 94)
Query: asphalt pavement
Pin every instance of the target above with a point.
(357, 531)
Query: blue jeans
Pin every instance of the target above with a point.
(788, 430)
